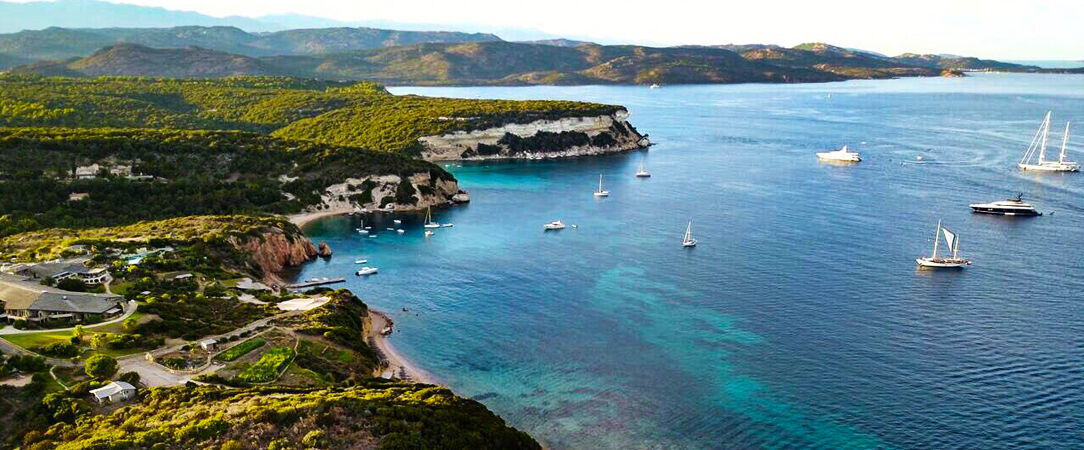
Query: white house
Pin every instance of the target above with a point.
(113, 392)
(208, 344)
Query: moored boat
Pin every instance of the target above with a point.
(842, 155)
(601, 192)
(1038, 147)
(687, 240)
(555, 225)
(367, 271)
(1009, 207)
(935, 262)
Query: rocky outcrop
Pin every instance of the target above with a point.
(323, 250)
(391, 193)
(541, 139)
(274, 250)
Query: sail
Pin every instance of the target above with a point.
(688, 233)
(950, 238)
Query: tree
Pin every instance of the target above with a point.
(101, 366)
(131, 378)
(72, 284)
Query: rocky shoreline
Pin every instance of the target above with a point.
(541, 139)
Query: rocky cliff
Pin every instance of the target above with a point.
(274, 250)
(411, 192)
(541, 139)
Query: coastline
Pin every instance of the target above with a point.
(398, 367)
(302, 219)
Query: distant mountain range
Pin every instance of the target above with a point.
(455, 58)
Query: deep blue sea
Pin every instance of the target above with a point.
(800, 320)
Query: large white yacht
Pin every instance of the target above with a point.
(1038, 148)
(842, 155)
(1009, 207)
(935, 262)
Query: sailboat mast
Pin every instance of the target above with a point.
(688, 232)
(1046, 136)
(936, 239)
(600, 182)
(1064, 143)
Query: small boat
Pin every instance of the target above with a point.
(575, 226)
(953, 241)
(1038, 145)
(390, 229)
(1010, 207)
(397, 221)
(447, 225)
(688, 240)
(372, 235)
(429, 233)
(367, 271)
(642, 173)
(601, 192)
(363, 231)
(555, 225)
(429, 219)
(841, 155)
(653, 86)
(400, 231)
(360, 261)
(368, 228)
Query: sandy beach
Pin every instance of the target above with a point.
(304, 218)
(398, 366)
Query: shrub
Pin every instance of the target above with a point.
(72, 284)
(101, 366)
(58, 350)
(131, 378)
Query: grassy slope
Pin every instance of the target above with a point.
(380, 415)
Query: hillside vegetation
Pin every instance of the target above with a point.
(360, 114)
(62, 43)
(222, 52)
(171, 173)
(383, 415)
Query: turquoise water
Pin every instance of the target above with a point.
(799, 320)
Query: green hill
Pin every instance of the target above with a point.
(155, 174)
(60, 43)
(353, 114)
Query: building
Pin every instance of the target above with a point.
(116, 391)
(208, 344)
(30, 301)
(97, 275)
(87, 172)
(65, 269)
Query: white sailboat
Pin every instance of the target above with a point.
(429, 218)
(429, 233)
(688, 240)
(601, 192)
(642, 173)
(935, 262)
(1038, 146)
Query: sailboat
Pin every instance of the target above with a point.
(601, 192)
(1038, 145)
(688, 240)
(642, 173)
(429, 218)
(935, 262)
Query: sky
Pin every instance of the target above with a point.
(1013, 29)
